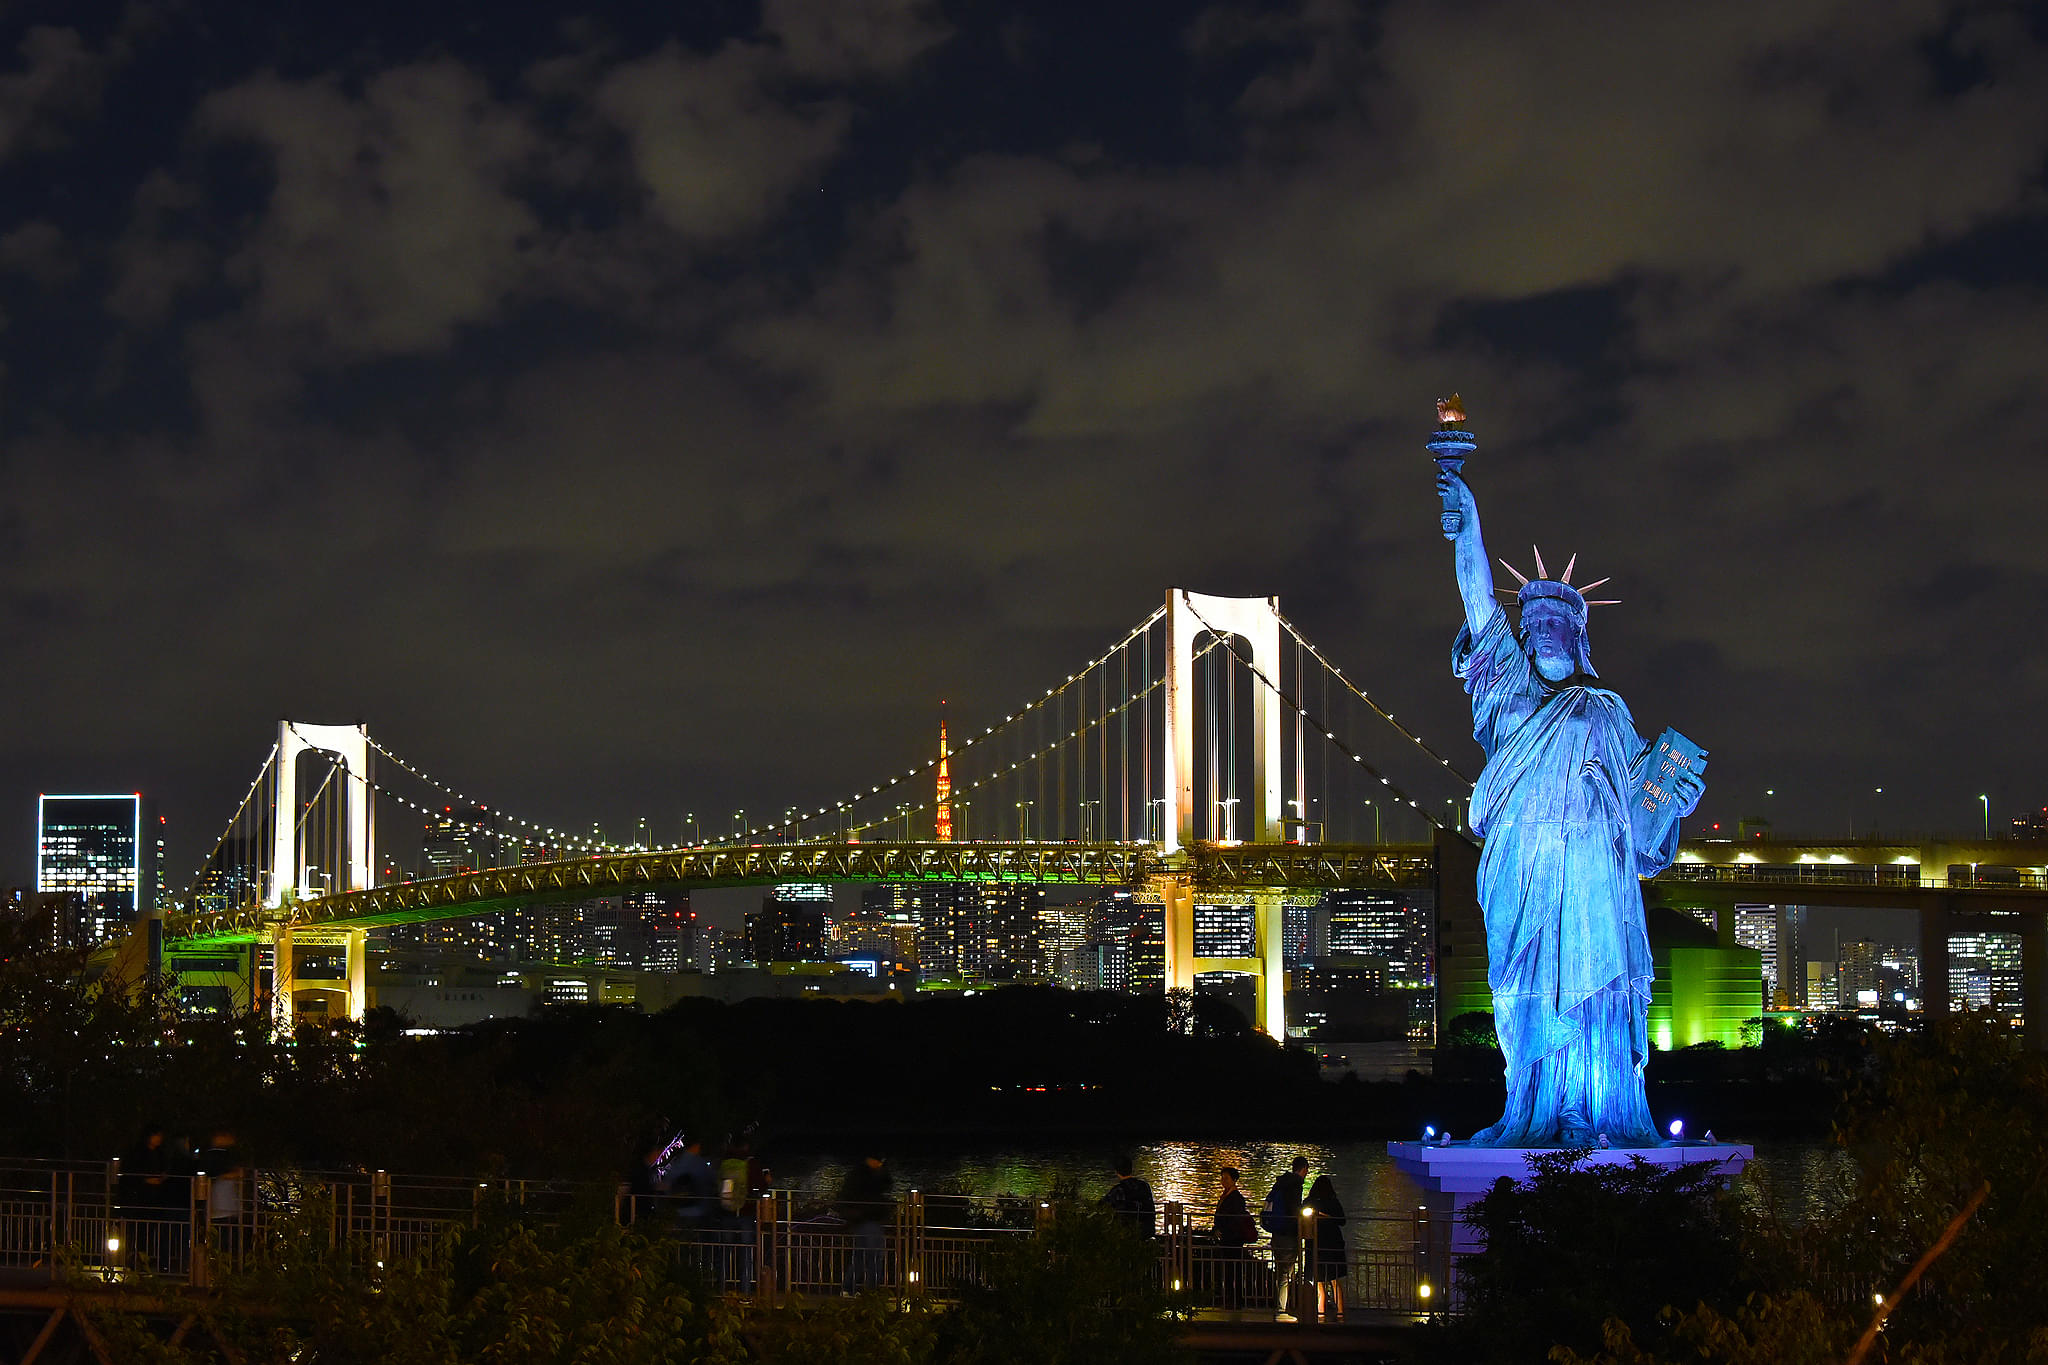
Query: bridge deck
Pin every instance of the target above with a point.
(1996, 876)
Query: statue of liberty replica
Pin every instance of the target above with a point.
(1574, 807)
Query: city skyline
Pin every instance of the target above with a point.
(639, 419)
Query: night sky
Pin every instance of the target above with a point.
(625, 416)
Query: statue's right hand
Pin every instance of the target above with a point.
(1453, 489)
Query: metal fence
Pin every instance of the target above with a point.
(100, 1221)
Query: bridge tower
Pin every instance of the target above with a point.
(1255, 620)
(329, 963)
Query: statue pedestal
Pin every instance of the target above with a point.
(1453, 1177)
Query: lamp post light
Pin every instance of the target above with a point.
(739, 825)
(1024, 822)
(690, 824)
(1228, 805)
(793, 825)
(1375, 820)
(961, 808)
(1087, 820)
(1985, 797)
(1159, 835)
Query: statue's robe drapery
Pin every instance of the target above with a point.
(1567, 954)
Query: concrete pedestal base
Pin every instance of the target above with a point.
(1453, 1177)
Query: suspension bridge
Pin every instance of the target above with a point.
(1212, 752)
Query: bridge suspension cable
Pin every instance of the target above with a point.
(1033, 710)
(557, 836)
(1329, 735)
(227, 833)
(1096, 725)
(1360, 693)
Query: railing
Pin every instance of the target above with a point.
(1893, 876)
(101, 1222)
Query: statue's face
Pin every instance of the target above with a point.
(1549, 639)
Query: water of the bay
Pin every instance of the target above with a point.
(1797, 1180)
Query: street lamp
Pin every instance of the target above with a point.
(1228, 804)
(1160, 835)
(1985, 797)
(1375, 820)
(690, 823)
(739, 825)
(1087, 824)
(1023, 822)
(794, 820)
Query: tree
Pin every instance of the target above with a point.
(1577, 1244)
(1083, 1288)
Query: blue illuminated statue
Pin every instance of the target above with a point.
(1568, 957)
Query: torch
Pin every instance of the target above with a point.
(1450, 445)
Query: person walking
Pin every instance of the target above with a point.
(1332, 1259)
(1131, 1199)
(1234, 1229)
(1280, 1216)
(865, 1202)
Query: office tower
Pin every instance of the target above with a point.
(95, 850)
(1298, 934)
(1225, 931)
(459, 839)
(1063, 934)
(1391, 925)
(790, 925)
(1820, 987)
(1756, 926)
(1011, 948)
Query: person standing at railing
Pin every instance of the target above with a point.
(866, 1202)
(1280, 1216)
(696, 1189)
(146, 1193)
(222, 1165)
(648, 1186)
(1131, 1199)
(1234, 1229)
(1332, 1260)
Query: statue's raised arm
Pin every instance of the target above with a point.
(1461, 523)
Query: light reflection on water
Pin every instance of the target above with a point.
(1796, 1178)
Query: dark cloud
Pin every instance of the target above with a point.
(632, 420)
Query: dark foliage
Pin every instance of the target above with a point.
(1578, 1243)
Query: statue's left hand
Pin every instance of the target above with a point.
(1689, 788)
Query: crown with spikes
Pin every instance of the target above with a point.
(1559, 590)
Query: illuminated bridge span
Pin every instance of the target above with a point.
(1212, 749)
(1203, 867)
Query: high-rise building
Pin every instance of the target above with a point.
(102, 852)
(1984, 972)
(1391, 925)
(1298, 933)
(459, 839)
(1011, 948)
(1063, 934)
(1225, 931)
(1756, 926)
(1127, 944)
(1821, 994)
(790, 925)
